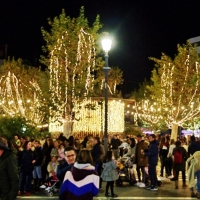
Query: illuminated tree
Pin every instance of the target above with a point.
(149, 112)
(72, 61)
(22, 92)
(175, 86)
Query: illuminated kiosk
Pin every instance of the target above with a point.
(89, 118)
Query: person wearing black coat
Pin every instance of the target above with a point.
(96, 151)
(194, 146)
(9, 179)
(84, 142)
(152, 154)
(47, 147)
(62, 137)
(37, 172)
(179, 166)
(26, 161)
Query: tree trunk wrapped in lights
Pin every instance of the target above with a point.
(176, 86)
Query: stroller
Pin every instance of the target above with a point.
(54, 188)
(125, 172)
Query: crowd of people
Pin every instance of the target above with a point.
(29, 165)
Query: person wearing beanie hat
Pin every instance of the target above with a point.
(9, 181)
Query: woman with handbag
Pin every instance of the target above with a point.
(109, 173)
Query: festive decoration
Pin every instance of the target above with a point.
(175, 88)
(150, 113)
(73, 64)
(72, 61)
(66, 76)
(18, 99)
(90, 119)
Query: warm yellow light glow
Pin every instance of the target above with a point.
(68, 67)
(92, 120)
(14, 94)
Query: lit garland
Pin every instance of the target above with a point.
(89, 118)
(73, 70)
(175, 99)
(177, 107)
(149, 112)
(19, 99)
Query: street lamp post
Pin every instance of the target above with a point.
(106, 44)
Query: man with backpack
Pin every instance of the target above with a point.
(179, 158)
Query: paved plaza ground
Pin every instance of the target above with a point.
(165, 192)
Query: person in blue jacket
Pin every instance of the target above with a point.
(152, 154)
(70, 159)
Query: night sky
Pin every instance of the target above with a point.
(141, 28)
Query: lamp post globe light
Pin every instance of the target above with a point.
(106, 45)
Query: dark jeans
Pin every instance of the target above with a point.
(110, 184)
(99, 170)
(121, 152)
(25, 181)
(168, 166)
(139, 174)
(44, 173)
(152, 175)
(163, 164)
(177, 174)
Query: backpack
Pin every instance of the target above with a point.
(178, 157)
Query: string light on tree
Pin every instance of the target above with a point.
(18, 99)
(175, 87)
